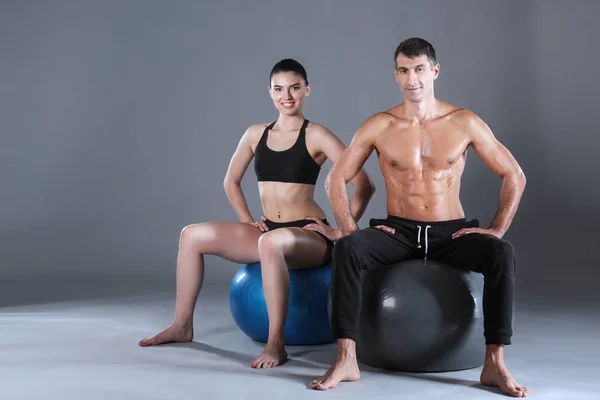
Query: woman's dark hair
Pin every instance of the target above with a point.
(289, 65)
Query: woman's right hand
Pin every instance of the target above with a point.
(260, 224)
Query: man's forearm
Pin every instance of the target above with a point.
(360, 200)
(340, 205)
(510, 195)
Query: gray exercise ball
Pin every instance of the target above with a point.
(421, 316)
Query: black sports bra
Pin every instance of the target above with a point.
(294, 165)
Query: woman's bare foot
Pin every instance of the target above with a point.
(173, 334)
(344, 370)
(496, 374)
(272, 356)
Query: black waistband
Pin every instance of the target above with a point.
(291, 224)
(430, 223)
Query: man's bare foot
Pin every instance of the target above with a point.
(272, 356)
(173, 334)
(344, 370)
(496, 374)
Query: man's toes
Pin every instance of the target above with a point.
(513, 391)
(521, 390)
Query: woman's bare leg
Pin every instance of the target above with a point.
(233, 241)
(278, 250)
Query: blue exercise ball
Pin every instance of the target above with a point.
(307, 320)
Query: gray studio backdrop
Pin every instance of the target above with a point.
(118, 120)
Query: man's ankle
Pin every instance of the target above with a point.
(346, 349)
(494, 353)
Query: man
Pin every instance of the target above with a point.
(421, 145)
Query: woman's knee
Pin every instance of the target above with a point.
(196, 235)
(276, 241)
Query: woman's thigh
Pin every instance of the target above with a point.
(302, 248)
(234, 241)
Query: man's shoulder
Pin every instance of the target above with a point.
(383, 119)
(467, 121)
(458, 115)
(375, 125)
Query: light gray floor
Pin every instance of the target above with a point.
(87, 349)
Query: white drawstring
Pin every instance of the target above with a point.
(426, 240)
(426, 244)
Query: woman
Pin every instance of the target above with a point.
(293, 231)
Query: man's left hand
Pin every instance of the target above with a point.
(467, 231)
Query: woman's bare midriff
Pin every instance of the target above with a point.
(285, 202)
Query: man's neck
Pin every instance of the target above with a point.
(420, 111)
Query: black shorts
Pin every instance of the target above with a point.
(301, 223)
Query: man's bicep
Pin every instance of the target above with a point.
(491, 151)
(355, 155)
